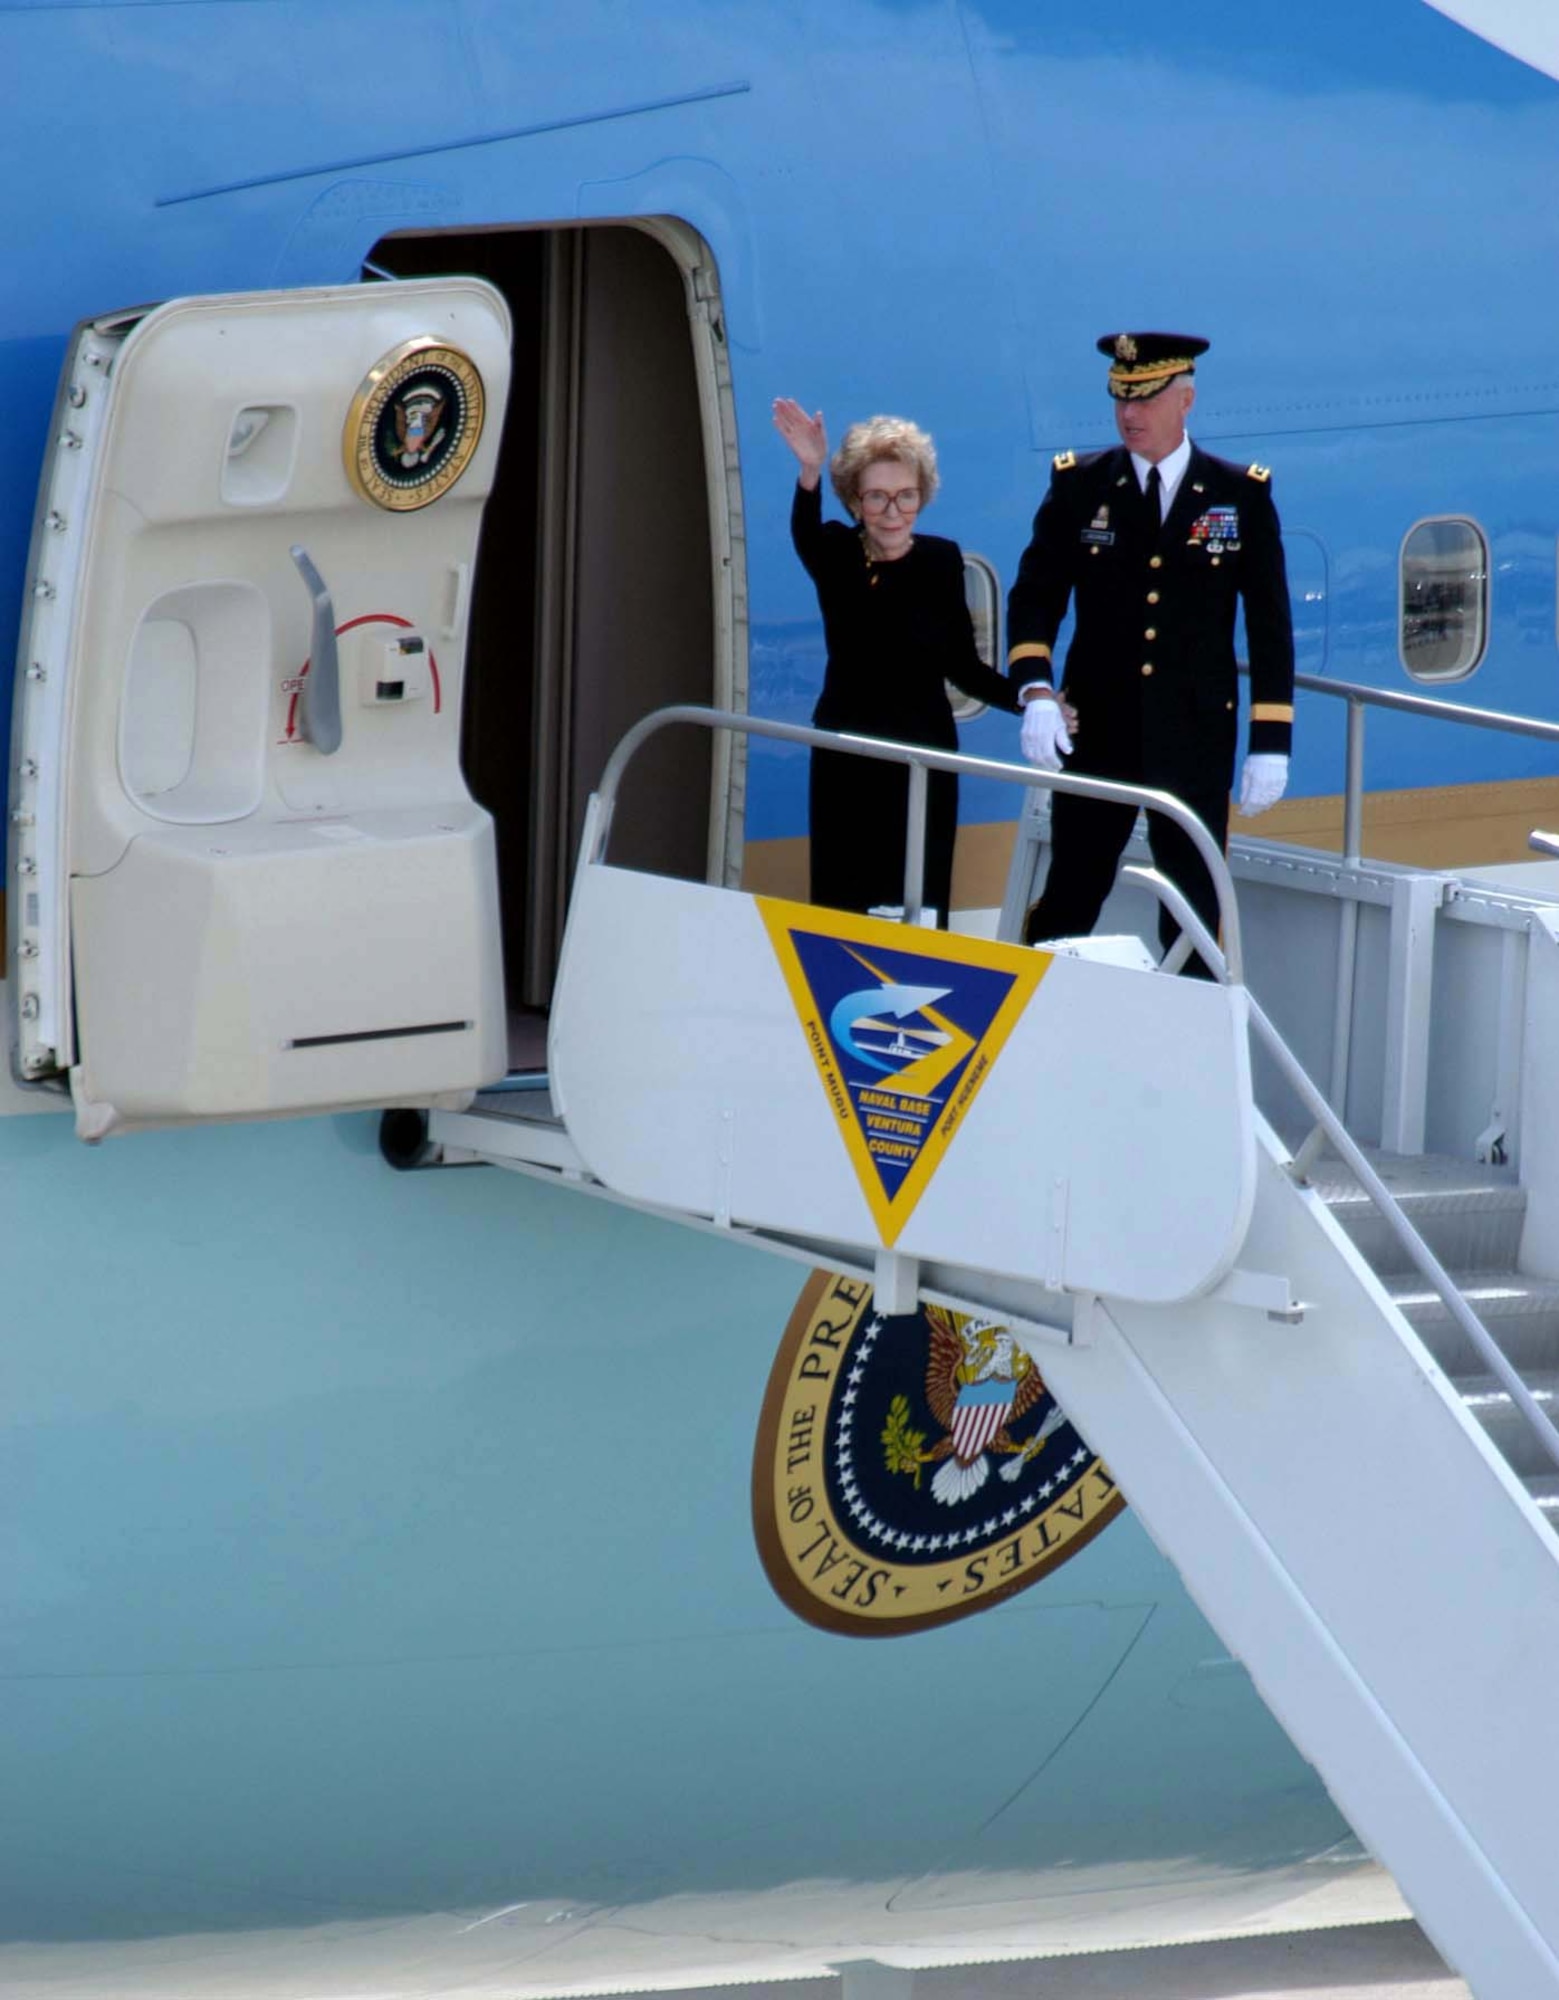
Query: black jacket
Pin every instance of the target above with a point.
(1150, 668)
(896, 632)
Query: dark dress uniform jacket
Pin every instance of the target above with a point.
(1151, 667)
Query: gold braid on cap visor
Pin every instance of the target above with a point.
(1147, 380)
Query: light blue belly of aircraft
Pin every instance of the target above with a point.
(377, 1558)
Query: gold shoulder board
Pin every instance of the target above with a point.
(1261, 472)
(1063, 461)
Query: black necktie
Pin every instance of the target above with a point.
(1155, 505)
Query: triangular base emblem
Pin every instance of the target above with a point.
(905, 1027)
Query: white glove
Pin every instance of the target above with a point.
(1262, 782)
(1045, 740)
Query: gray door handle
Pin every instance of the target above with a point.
(319, 709)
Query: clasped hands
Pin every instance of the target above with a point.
(1050, 723)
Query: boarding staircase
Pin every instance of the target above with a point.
(1470, 1216)
(1321, 1375)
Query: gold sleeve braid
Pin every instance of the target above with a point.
(1033, 650)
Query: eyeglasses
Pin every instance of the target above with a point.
(876, 501)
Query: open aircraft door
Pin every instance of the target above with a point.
(246, 877)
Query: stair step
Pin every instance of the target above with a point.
(1544, 1489)
(1469, 1215)
(1521, 1312)
(1508, 1429)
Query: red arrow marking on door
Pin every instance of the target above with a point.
(351, 625)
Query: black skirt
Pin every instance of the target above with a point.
(858, 808)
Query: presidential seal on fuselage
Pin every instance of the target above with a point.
(914, 1469)
(414, 424)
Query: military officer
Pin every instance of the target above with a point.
(1156, 541)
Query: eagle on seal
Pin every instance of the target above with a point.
(978, 1382)
(418, 432)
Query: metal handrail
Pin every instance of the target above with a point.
(1223, 963)
(1427, 705)
(1359, 697)
(920, 760)
(1194, 936)
(1489, 1350)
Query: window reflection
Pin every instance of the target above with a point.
(983, 596)
(1444, 611)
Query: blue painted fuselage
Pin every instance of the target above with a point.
(377, 1545)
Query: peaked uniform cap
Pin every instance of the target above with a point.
(1143, 363)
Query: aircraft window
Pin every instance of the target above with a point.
(1443, 623)
(982, 593)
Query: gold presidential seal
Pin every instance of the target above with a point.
(914, 1469)
(414, 424)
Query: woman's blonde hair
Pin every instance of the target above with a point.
(893, 438)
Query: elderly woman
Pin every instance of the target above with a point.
(897, 629)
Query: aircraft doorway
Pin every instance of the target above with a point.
(606, 573)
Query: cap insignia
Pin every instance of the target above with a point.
(1125, 347)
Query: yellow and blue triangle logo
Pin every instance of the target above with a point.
(904, 1026)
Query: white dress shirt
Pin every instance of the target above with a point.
(1171, 471)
